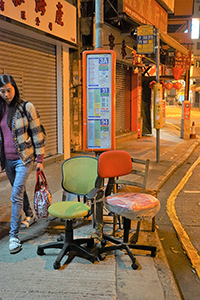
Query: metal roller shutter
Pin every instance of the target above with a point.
(120, 99)
(123, 99)
(33, 65)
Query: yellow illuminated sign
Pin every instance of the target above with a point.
(145, 39)
(158, 97)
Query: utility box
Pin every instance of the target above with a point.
(185, 120)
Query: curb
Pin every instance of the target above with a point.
(163, 178)
(191, 251)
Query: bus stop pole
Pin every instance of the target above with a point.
(98, 24)
(99, 18)
(157, 81)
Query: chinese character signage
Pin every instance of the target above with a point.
(182, 60)
(147, 12)
(145, 39)
(98, 97)
(158, 109)
(170, 61)
(51, 16)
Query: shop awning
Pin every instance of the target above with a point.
(173, 43)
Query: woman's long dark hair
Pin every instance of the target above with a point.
(5, 79)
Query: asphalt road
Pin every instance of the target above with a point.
(173, 115)
(188, 214)
(188, 211)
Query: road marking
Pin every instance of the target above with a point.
(177, 127)
(173, 156)
(192, 192)
(192, 252)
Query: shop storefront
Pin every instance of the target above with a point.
(123, 99)
(34, 47)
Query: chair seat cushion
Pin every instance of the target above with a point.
(68, 210)
(133, 206)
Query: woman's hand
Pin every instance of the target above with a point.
(40, 166)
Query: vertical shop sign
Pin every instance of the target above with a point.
(158, 108)
(98, 100)
(139, 101)
(182, 60)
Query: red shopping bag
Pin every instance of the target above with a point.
(42, 197)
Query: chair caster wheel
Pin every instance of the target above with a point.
(93, 259)
(56, 265)
(103, 243)
(60, 239)
(40, 251)
(90, 243)
(134, 266)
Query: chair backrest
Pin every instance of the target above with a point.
(117, 163)
(114, 163)
(138, 176)
(79, 174)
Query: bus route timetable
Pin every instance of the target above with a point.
(99, 101)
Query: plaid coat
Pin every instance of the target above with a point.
(22, 142)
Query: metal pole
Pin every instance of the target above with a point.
(99, 18)
(157, 55)
(157, 80)
(98, 24)
(187, 85)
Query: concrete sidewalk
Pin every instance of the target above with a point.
(26, 275)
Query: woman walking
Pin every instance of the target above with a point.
(17, 148)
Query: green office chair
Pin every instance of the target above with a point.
(79, 174)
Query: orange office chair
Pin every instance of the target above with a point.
(129, 205)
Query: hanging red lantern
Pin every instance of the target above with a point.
(177, 72)
(177, 85)
(168, 85)
(151, 84)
